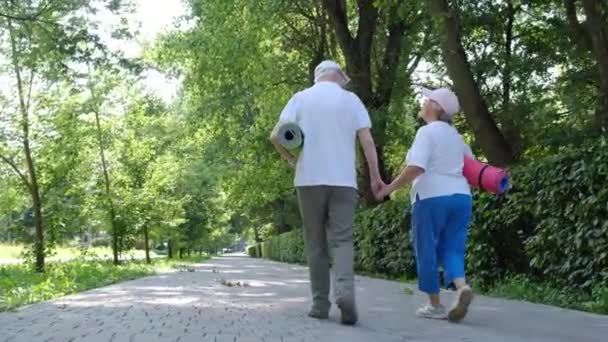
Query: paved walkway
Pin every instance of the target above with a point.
(272, 306)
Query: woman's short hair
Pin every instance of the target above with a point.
(442, 115)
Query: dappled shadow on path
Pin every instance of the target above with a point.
(268, 301)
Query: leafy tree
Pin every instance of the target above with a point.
(40, 40)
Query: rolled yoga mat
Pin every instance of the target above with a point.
(290, 136)
(485, 177)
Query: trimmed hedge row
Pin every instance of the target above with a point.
(383, 240)
(252, 251)
(286, 247)
(551, 227)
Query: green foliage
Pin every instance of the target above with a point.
(102, 242)
(383, 240)
(266, 249)
(252, 251)
(521, 287)
(552, 224)
(20, 285)
(549, 229)
(286, 247)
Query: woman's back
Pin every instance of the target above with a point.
(440, 151)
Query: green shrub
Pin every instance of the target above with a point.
(522, 287)
(286, 247)
(383, 240)
(553, 224)
(102, 242)
(265, 250)
(550, 228)
(252, 251)
(497, 236)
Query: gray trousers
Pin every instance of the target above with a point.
(328, 215)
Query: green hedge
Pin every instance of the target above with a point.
(552, 227)
(252, 251)
(287, 247)
(383, 240)
(553, 224)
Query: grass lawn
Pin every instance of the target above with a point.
(521, 288)
(20, 285)
(13, 252)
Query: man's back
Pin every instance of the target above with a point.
(330, 118)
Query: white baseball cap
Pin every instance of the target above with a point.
(445, 98)
(326, 67)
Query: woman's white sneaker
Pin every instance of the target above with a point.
(461, 307)
(432, 312)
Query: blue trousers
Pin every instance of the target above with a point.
(439, 236)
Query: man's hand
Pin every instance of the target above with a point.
(292, 162)
(383, 192)
(377, 184)
(274, 139)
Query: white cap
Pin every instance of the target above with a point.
(326, 67)
(445, 98)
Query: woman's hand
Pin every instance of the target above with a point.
(383, 192)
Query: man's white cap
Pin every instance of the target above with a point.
(445, 98)
(327, 67)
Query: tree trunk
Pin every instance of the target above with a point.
(510, 129)
(477, 115)
(506, 74)
(358, 54)
(147, 243)
(320, 49)
(598, 31)
(170, 249)
(32, 182)
(592, 35)
(106, 177)
(365, 186)
(35, 194)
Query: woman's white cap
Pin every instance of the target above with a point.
(445, 98)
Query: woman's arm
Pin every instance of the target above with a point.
(407, 175)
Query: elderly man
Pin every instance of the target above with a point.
(331, 119)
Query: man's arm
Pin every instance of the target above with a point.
(369, 149)
(274, 139)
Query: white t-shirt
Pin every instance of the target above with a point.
(329, 117)
(440, 151)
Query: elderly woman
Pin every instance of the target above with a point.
(441, 203)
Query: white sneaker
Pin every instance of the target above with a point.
(432, 312)
(461, 306)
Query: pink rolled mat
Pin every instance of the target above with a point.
(485, 177)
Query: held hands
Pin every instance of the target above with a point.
(384, 192)
(380, 189)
